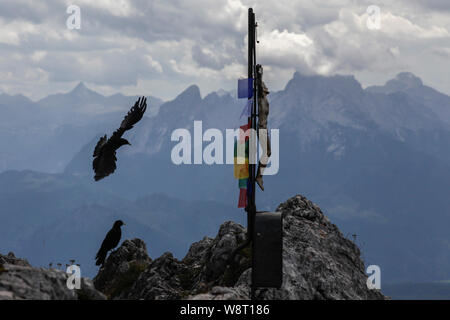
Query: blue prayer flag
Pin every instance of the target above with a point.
(245, 88)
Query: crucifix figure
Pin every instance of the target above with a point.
(263, 113)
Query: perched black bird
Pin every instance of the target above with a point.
(105, 151)
(111, 241)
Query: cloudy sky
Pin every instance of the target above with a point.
(159, 47)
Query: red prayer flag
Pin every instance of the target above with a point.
(242, 133)
(242, 198)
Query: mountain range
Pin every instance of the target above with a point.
(375, 159)
(44, 135)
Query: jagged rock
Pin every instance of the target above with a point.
(162, 280)
(122, 268)
(229, 237)
(203, 267)
(198, 251)
(18, 280)
(240, 291)
(10, 258)
(224, 293)
(318, 263)
(208, 266)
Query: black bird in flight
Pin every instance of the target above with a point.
(111, 241)
(105, 151)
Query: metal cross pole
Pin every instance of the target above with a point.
(252, 119)
(264, 229)
(251, 205)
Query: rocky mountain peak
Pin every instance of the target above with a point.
(80, 88)
(182, 106)
(19, 281)
(10, 258)
(82, 92)
(191, 93)
(321, 84)
(301, 207)
(318, 263)
(404, 81)
(122, 267)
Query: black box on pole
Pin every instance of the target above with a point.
(267, 253)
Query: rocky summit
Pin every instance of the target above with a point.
(19, 280)
(318, 263)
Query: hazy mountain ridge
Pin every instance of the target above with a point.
(45, 135)
(377, 162)
(84, 100)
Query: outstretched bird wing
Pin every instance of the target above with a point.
(133, 116)
(105, 151)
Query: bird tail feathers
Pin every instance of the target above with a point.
(100, 258)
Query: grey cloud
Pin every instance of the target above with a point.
(114, 68)
(213, 57)
(36, 11)
(433, 4)
(206, 35)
